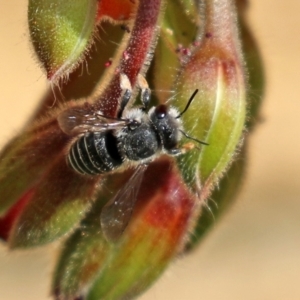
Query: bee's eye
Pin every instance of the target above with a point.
(161, 111)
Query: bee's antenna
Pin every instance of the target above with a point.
(188, 104)
(191, 138)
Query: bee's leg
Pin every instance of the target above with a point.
(127, 91)
(188, 147)
(184, 149)
(146, 93)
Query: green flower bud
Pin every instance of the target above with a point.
(229, 186)
(217, 114)
(61, 32)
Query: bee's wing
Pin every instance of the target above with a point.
(76, 120)
(116, 214)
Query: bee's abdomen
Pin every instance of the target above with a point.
(95, 153)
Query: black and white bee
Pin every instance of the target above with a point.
(134, 138)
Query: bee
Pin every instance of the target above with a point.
(135, 137)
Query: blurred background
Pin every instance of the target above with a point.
(253, 252)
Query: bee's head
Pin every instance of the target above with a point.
(167, 125)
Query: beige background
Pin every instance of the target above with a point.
(254, 253)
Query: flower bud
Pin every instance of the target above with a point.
(217, 114)
(44, 199)
(229, 186)
(124, 268)
(61, 32)
(41, 198)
